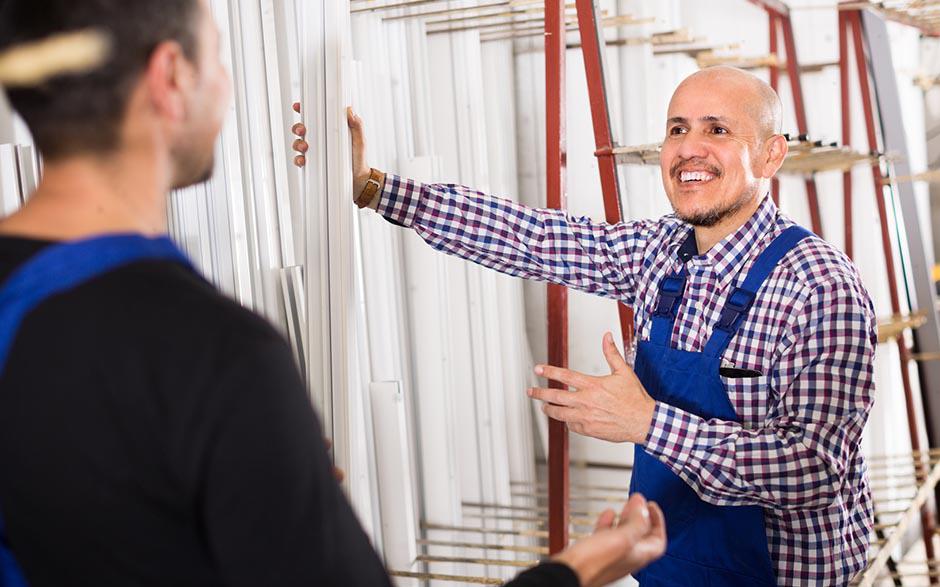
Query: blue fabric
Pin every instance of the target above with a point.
(664, 315)
(57, 269)
(709, 545)
(10, 573)
(740, 300)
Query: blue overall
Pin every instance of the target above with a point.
(709, 545)
(54, 270)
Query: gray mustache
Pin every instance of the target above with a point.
(677, 167)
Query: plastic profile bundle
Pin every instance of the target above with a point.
(20, 167)
(239, 227)
(920, 14)
(466, 447)
(288, 244)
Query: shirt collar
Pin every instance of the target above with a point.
(728, 255)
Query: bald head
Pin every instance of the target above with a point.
(722, 146)
(759, 100)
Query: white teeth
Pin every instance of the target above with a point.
(695, 176)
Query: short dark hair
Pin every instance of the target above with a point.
(73, 114)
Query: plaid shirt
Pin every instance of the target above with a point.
(810, 334)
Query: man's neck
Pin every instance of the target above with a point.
(707, 237)
(85, 196)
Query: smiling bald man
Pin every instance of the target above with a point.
(752, 376)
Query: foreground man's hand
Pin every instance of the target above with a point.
(338, 473)
(615, 407)
(616, 550)
(300, 143)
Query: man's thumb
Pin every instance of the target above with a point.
(615, 360)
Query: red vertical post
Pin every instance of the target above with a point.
(555, 109)
(846, 129)
(796, 87)
(853, 17)
(861, 64)
(592, 47)
(774, 83)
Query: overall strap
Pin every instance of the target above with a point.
(741, 299)
(10, 573)
(56, 269)
(61, 267)
(671, 290)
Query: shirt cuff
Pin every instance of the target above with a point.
(398, 202)
(551, 573)
(671, 438)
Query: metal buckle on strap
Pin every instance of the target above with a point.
(670, 292)
(735, 309)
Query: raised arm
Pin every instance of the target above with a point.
(539, 244)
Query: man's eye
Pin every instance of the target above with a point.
(718, 130)
(676, 130)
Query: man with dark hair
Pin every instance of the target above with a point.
(92, 125)
(152, 431)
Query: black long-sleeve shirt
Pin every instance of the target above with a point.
(154, 432)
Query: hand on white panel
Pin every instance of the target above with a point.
(300, 143)
(360, 169)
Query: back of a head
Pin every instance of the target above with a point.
(82, 113)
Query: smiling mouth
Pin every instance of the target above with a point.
(695, 177)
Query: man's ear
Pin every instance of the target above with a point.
(167, 80)
(775, 151)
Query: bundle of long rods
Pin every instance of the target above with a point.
(922, 14)
(491, 530)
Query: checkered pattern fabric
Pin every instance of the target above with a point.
(810, 334)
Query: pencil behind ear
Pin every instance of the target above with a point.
(33, 63)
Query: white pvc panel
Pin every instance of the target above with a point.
(395, 474)
(10, 197)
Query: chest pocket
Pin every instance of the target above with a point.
(750, 396)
